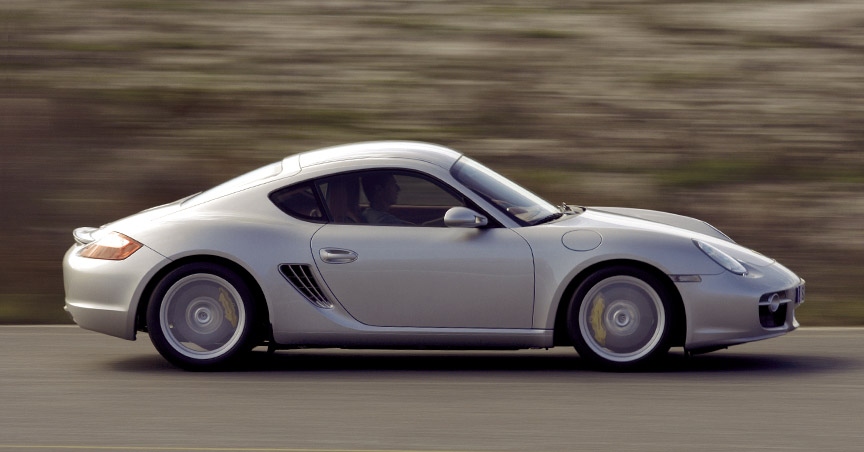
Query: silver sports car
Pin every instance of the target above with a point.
(412, 245)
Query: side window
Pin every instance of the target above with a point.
(387, 197)
(299, 201)
(342, 197)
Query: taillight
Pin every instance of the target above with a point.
(113, 246)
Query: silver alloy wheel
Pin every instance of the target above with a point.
(622, 319)
(202, 316)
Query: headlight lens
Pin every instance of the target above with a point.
(724, 260)
(113, 246)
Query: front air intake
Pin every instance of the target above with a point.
(300, 276)
(773, 307)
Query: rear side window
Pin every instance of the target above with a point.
(300, 201)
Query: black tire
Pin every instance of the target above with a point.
(621, 318)
(201, 316)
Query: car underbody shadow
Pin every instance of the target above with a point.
(546, 362)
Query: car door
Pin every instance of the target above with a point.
(400, 266)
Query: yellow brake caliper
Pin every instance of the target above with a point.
(230, 311)
(597, 320)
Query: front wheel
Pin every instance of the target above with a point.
(620, 318)
(200, 316)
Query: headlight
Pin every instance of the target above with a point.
(724, 260)
(113, 246)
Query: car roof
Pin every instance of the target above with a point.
(412, 150)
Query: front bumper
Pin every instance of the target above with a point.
(728, 309)
(103, 295)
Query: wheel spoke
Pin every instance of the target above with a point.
(622, 319)
(204, 315)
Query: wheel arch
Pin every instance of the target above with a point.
(254, 286)
(561, 336)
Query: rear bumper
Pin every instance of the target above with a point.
(103, 295)
(724, 309)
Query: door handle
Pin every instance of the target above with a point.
(337, 256)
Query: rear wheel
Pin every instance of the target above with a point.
(200, 316)
(621, 318)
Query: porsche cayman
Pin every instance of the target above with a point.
(416, 246)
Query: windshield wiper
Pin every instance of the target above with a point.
(564, 208)
(548, 218)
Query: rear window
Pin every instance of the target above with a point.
(237, 183)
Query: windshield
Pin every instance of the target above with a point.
(519, 204)
(235, 184)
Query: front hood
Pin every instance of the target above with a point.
(669, 219)
(606, 220)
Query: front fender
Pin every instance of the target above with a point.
(556, 265)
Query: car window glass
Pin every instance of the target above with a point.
(341, 196)
(299, 201)
(238, 182)
(518, 203)
(387, 197)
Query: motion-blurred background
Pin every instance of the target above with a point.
(748, 114)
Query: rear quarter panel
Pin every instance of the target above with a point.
(245, 228)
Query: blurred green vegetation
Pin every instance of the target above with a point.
(747, 114)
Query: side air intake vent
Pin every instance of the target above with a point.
(300, 276)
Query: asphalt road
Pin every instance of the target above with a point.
(62, 388)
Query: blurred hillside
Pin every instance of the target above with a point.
(748, 114)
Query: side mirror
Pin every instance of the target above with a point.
(463, 217)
